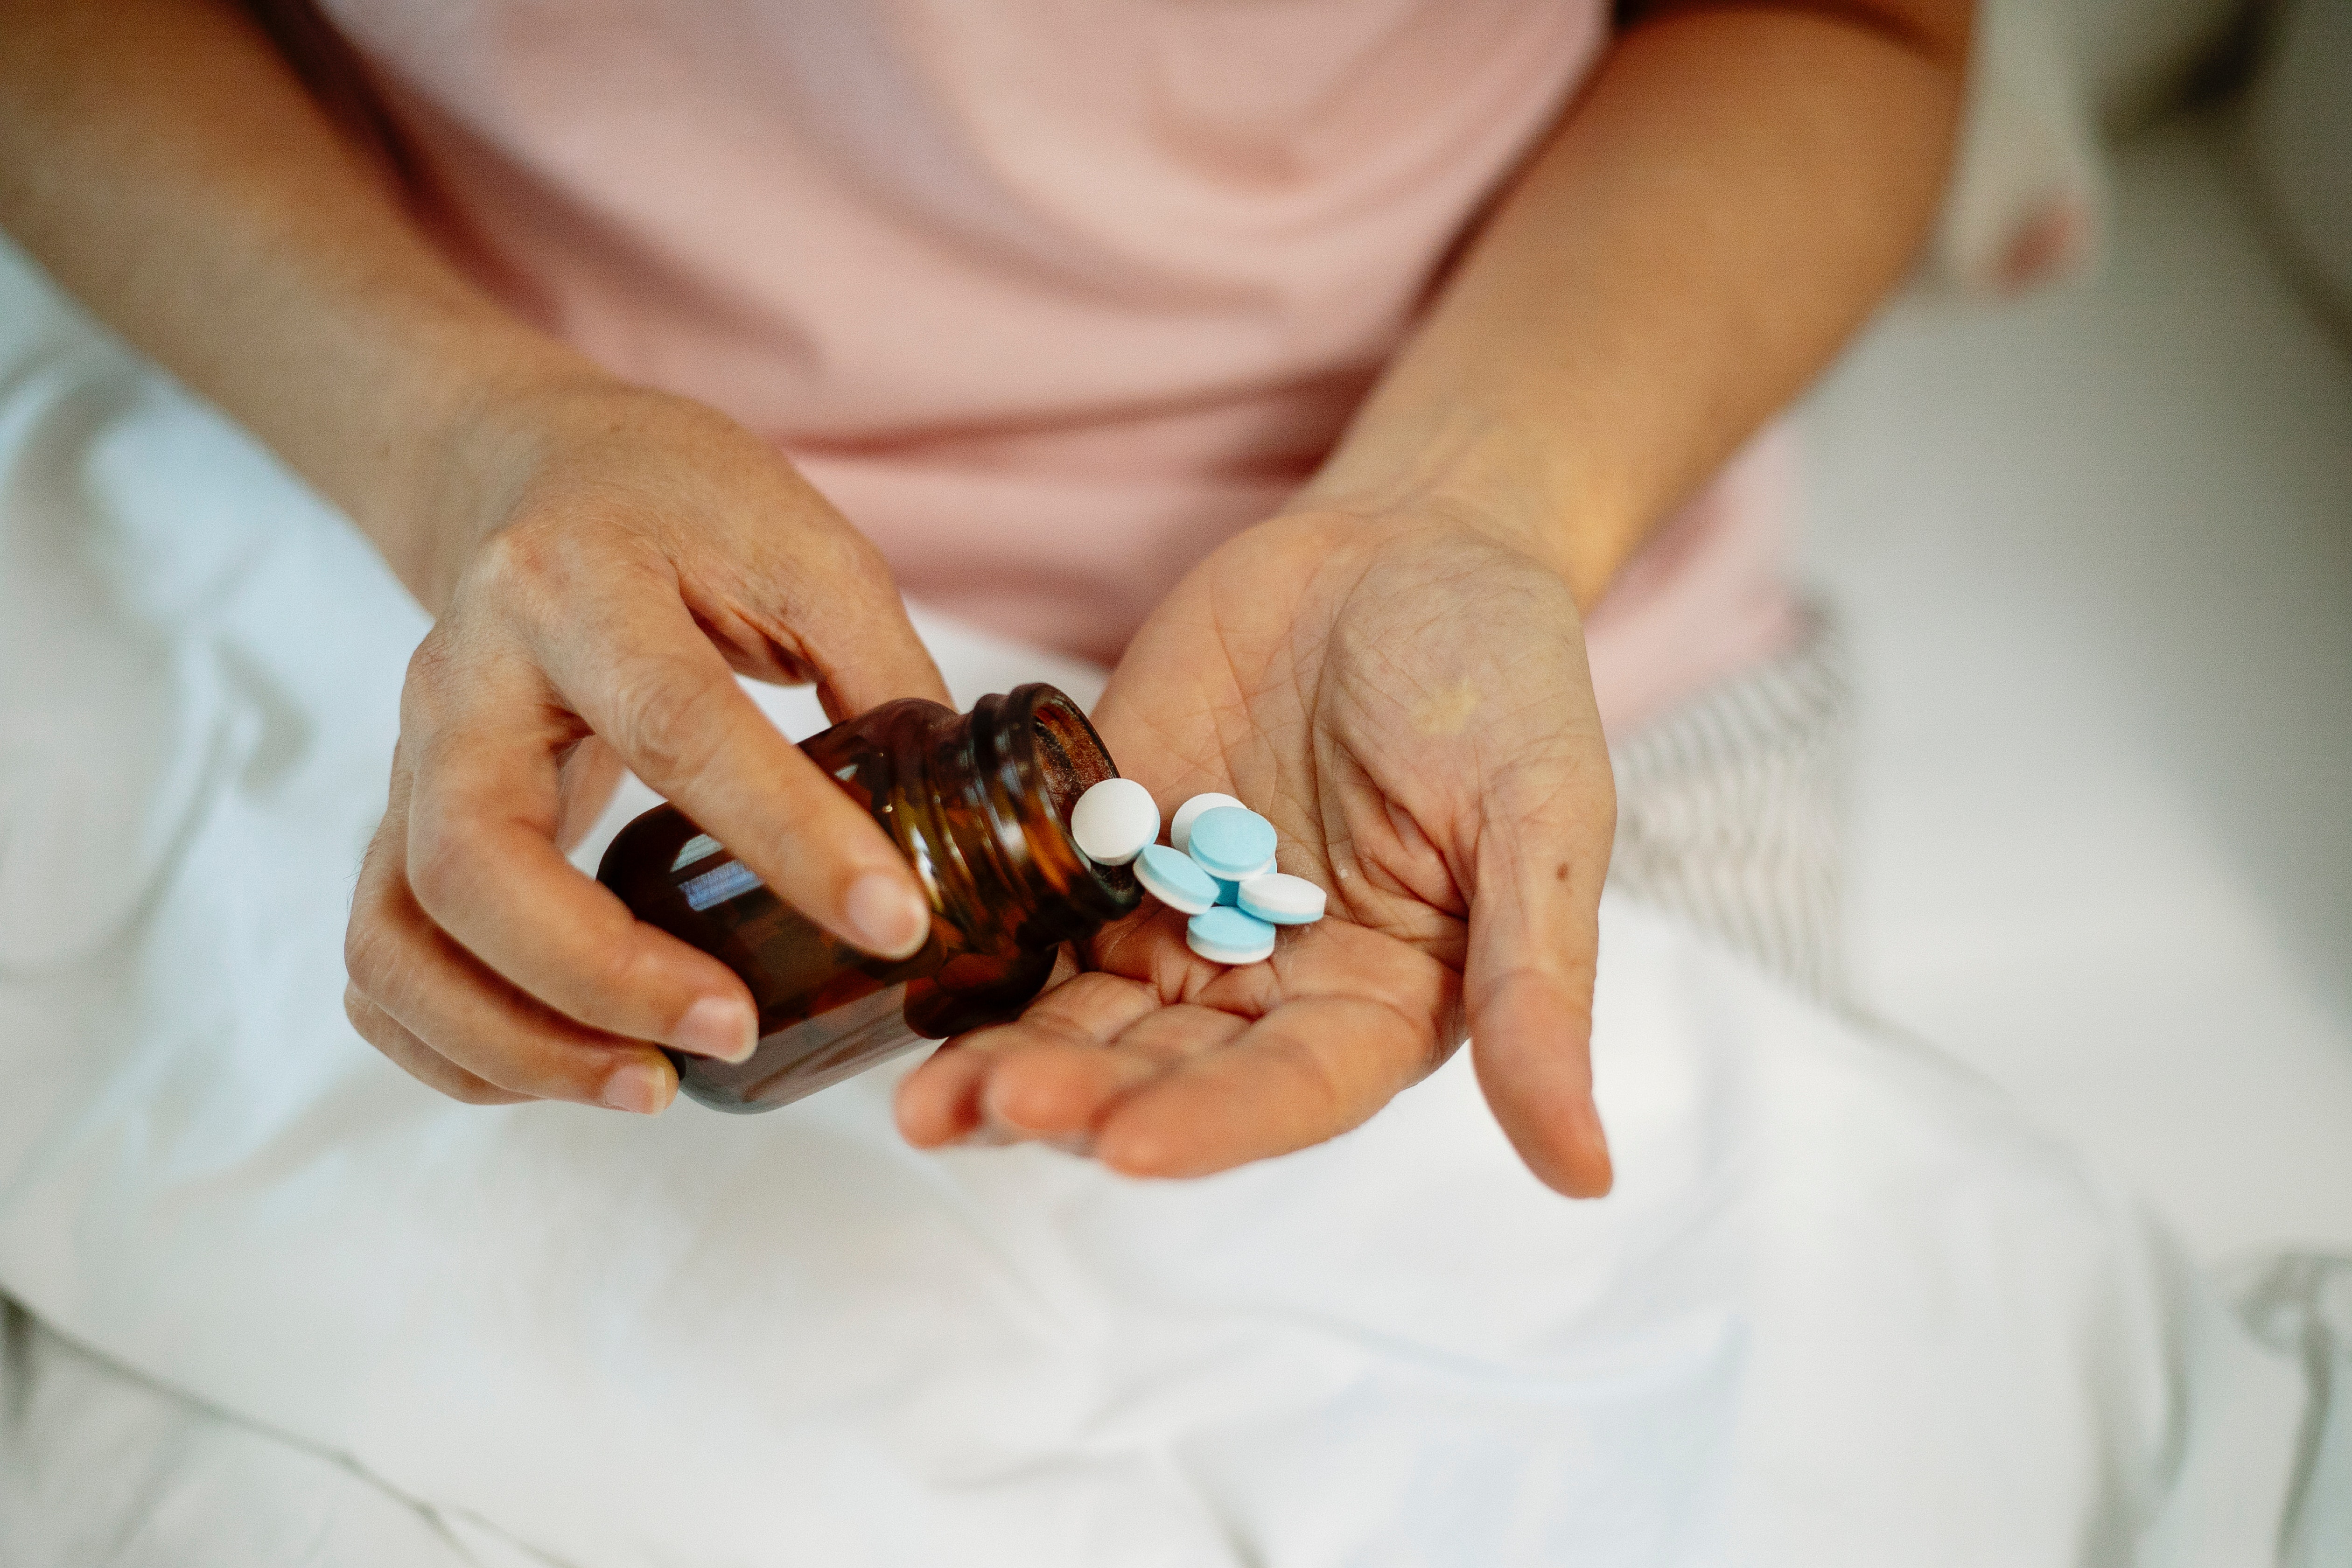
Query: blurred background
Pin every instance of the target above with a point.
(2083, 500)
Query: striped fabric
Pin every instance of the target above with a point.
(1730, 810)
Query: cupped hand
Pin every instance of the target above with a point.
(623, 556)
(1407, 699)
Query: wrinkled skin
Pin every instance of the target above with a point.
(1407, 701)
(637, 553)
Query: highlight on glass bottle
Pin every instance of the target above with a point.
(979, 805)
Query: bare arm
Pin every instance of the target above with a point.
(1730, 197)
(1394, 671)
(598, 556)
(166, 165)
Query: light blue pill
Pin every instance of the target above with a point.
(1175, 880)
(1227, 892)
(1232, 843)
(1225, 935)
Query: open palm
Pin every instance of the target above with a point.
(1407, 701)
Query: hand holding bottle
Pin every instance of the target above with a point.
(636, 552)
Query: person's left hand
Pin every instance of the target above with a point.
(1407, 701)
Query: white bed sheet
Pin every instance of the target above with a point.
(2094, 553)
(101, 1468)
(1845, 1305)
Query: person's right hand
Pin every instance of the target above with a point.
(616, 556)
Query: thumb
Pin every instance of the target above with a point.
(1534, 939)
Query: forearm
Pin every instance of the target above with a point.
(167, 166)
(1732, 193)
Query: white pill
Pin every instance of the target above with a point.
(1114, 820)
(1282, 899)
(1180, 827)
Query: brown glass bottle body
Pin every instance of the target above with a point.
(979, 805)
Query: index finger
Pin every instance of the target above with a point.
(647, 679)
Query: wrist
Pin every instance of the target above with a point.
(1494, 477)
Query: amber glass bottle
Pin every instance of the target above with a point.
(979, 805)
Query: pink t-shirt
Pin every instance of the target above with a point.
(1049, 296)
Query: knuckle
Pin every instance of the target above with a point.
(481, 1074)
(469, 1088)
(599, 985)
(667, 726)
(440, 864)
(429, 671)
(521, 557)
(619, 972)
(535, 1069)
(534, 573)
(364, 940)
(365, 1017)
(428, 692)
(832, 565)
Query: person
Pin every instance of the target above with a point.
(1324, 362)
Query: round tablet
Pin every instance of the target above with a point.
(1228, 936)
(1180, 827)
(1282, 899)
(1232, 842)
(1175, 880)
(1114, 820)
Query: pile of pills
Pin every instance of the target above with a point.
(1221, 871)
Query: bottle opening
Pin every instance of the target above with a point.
(1070, 756)
(1054, 744)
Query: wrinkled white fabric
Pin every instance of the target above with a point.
(1844, 1306)
(100, 1468)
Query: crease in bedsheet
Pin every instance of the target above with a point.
(100, 1468)
(1841, 1307)
(77, 685)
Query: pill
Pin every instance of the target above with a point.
(1114, 820)
(1282, 899)
(1232, 842)
(1180, 827)
(1175, 880)
(1228, 936)
(1228, 893)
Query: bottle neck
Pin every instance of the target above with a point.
(984, 812)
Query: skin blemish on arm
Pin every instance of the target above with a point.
(1445, 710)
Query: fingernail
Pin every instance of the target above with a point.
(886, 916)
(641, 1086)
(718, 1027)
